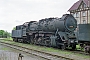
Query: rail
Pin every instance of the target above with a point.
(38, 53)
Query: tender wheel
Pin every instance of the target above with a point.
(15, 39)
(63, 47)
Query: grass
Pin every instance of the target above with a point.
(9, 38)
(4, 49)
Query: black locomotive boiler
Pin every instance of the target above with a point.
(55, 32)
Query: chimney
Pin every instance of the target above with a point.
(88, 3)
(80, 0)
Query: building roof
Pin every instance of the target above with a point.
(77, 4)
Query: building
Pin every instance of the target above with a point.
(81, 11)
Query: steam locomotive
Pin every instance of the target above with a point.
(53, 32)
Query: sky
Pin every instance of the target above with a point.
(16, 12)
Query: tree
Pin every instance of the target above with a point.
(1, 32)
(14, 28)
(4, 34)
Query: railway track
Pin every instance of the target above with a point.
(80, 52)
(76, 51)
(38, 53)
